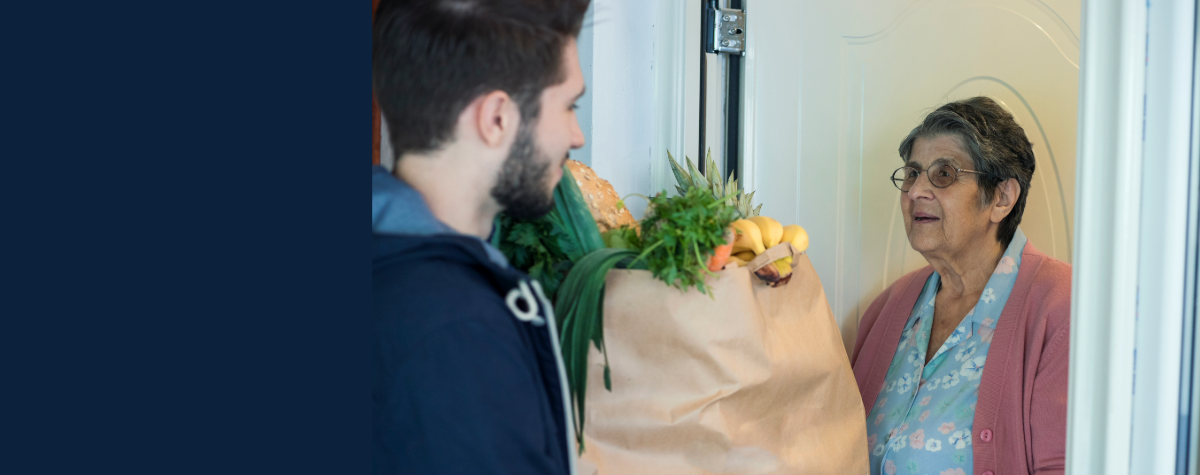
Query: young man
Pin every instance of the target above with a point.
(479, 99)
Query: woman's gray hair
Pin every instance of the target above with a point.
(997, 146)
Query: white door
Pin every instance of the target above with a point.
(831, 88)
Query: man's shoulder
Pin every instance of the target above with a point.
(449, 283)
(430, 282)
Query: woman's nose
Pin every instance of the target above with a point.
(922, 188)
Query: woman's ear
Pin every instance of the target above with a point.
(1006, 198)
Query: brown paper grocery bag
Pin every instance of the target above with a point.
(753, 381)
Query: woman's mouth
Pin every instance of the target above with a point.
(924, 218)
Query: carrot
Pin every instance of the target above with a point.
(721, 253)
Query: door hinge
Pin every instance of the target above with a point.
(728, 34)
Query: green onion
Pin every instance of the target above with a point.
(580, 309)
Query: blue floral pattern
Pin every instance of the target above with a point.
(923, 416)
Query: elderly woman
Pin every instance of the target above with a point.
(962, 365)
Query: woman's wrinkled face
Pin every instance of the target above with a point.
(943, 221)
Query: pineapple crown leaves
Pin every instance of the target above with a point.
(691, 177)
(718, 188)
(682, 177)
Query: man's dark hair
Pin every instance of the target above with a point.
(431, 58)
(995, 142)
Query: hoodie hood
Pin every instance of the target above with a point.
(399, 210)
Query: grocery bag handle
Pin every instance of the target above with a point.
(776, 252)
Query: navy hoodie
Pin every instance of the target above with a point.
(467, 377)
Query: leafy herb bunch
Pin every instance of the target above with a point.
(679, 234)
(548, 247)
(535, 246)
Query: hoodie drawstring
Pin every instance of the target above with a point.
(562, 374)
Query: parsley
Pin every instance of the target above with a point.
(546, 248)
(679, 234)
(622, 238)
(536, 248)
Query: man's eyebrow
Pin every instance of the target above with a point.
(577, 96)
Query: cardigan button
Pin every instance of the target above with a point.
(989, 472)
(986, 436)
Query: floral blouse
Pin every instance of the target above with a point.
(921, 422)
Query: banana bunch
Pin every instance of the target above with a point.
(757, 234)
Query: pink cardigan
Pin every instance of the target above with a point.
(1020, 422)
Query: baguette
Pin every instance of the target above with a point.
(601, 198)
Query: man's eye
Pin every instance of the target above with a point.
(574, 106)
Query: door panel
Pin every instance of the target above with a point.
(861, 81)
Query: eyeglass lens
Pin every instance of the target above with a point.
(941, 176)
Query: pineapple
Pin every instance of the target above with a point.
(691, 177)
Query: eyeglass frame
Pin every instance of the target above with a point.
(899, 184)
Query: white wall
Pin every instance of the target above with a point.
(622, 141)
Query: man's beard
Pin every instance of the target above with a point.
(521, 188)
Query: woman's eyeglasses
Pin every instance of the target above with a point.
(940, 175)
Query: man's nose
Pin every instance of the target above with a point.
(577, 138)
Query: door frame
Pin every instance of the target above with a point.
(1132, 210)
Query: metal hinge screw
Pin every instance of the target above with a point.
(728, 32)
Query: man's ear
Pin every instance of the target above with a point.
(498, 118)
(1006, 198)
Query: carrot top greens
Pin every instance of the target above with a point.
(679, 234)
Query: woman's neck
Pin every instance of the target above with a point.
(968, 272)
